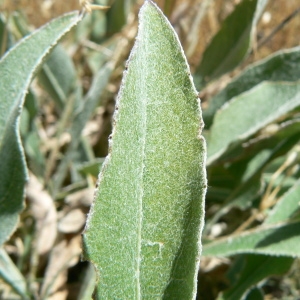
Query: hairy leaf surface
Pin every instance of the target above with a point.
(143, 231)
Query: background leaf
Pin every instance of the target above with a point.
(286, 207)
(255, 294)
(265, 103)
(255, 269)
(57, 75)
(278, 239)
(117, 15)
(230, 45)
(11, 275)
(281, 66)
(83, 114)
(16, 74)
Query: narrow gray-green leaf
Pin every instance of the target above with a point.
(276, 239)
(230, 45)
(261, 153)
(281, 66)
(143, 231)
(3, 35)
(6, 37)
(116, 17)
(57, 75)
(87, 284)
(81, 117)
(11, 275)
(260, 7)
(286, 207)
(16, 71)
(91, 167)
(257, 267)
(250, 112)
(250, 186)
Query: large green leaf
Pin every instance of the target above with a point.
(230, 45)
(143, 231)
(250, 112)
(281, 66)
(17, 68)
(276, 239)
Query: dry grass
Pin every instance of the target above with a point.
(40, 12)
